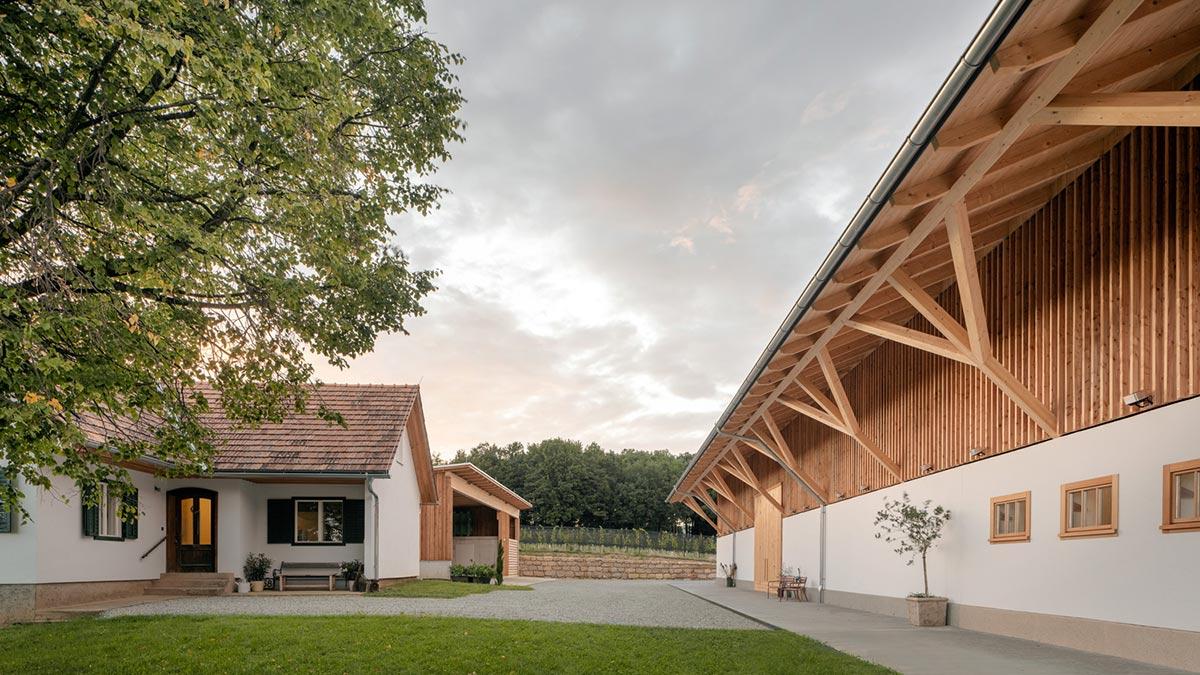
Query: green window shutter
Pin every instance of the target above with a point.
(279, 521)
(354, 527)
(6, 515)
(91, 514)
(129, 529)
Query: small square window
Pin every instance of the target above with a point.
(1089, 508)
(319, 521)
(1181, 496)
(1010, 518)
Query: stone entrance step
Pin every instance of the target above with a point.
(200, 583)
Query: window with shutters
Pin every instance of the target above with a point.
(1181, 496)
(1010, 518)
(1089, 508)
(319, 521)
(102, 519)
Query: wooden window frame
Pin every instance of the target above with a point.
(1010, 538)
(1109, 530)
(1169, 524)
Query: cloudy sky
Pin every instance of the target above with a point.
(645, 189)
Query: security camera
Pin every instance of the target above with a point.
(926, 468)
(1138, 399)
(976, 452)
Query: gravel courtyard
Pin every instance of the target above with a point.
(635, 603)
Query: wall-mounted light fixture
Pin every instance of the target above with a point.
(1138, 399)
(976, 452)
(926, 468)
(839, 495)
(864, 488)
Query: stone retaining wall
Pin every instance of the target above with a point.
(583, 566)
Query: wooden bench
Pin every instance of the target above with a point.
(325, 573)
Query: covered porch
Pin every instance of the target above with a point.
(474, 518)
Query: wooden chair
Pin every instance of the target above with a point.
(796, 588)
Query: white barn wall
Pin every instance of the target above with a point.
(253, 520)
(742, 544)
(1130, 578)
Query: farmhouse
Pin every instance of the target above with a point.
(1009, 327)
(303, 491)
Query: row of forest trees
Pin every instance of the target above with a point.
(572, 484)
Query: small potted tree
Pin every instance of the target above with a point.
(730, 572)
(914, 530)
(256, 568)
(499, 563)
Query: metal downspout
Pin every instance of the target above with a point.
(374, 527)
(821, 580)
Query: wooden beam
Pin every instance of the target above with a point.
(923, 192)
(1116, 72)
(972, 133)
(1049, 85)
(754, 484)
(814, 414)
(910, 337)
(1140, 109)
(702, 495)
(929, 308)
(962, 248)
(718, 484)
(690, 502)
(787, 460)
(848, 416)
(821, 399)
(1052, 44)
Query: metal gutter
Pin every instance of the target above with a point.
(1003, 17)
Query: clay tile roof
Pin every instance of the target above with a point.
(375, 416)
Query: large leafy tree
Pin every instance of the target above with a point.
(196, 190)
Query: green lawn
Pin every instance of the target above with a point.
(437, 588)
(356, 644)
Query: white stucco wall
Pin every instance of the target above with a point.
(1135, 577)
(743, 547)
(18, 549)
(65, 555)
(399, 518)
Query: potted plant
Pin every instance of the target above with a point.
(914, 530)
(352, 570)
(458, 572)
(730, 572)
(256, 567)
(242, 585)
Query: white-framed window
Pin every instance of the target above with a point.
(319, 521)
(108, 521)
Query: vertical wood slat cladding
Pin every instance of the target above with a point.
(437, 523)
(1096, 296)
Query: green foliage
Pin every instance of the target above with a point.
(256, 567)
(406, 644)
(197, 191)
(572, 484)
(913, 529)
(352, 569)
(439, 588)
(475, 570)
(599, 540)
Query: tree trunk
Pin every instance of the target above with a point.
(925, 573)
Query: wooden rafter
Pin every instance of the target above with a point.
(970, 344)
(1143, 109)
(752, 481)
(785, 458)
(814, 414)
(690, 502)
(850, 419)
(714, 481)
(1056, 77)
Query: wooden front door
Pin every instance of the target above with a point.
(768, 539)
(191, 530)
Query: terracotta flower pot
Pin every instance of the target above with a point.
(256, 586)
(927, 611)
